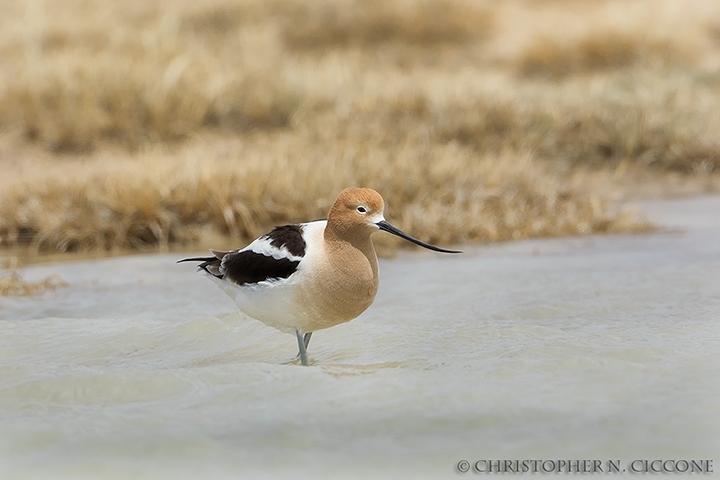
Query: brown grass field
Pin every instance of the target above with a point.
(176, 124)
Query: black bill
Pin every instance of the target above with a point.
(383, 225)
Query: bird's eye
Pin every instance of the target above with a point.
(361, 209)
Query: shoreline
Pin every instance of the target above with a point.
(670, 216)
(651, 210)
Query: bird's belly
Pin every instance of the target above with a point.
(272, 303)
(299, 303)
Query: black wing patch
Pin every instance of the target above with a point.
(288, 236)
(249, 267)
(245, 267)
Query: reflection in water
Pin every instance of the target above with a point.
(602, 347)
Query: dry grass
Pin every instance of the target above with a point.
(599, 51)
(13, 284)
(446, 197)
(139, 124)
(160, 79)
(166, 74)
(372, 23)
(115, 102)
(663, 131)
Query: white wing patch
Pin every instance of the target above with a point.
(263, 246)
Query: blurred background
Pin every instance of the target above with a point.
(170, 124)
(167, 125)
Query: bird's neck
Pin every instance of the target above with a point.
(343, 245)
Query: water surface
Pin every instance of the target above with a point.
(580, 348)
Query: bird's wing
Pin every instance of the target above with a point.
(273, 256)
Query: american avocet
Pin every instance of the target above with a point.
(306, 277)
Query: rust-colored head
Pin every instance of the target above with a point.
(356, 211)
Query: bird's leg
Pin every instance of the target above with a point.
(303, 340)
(302, 347)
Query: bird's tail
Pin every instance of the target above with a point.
(197, 259)
(211, 265)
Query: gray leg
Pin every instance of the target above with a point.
(301, 345)
(306, 338)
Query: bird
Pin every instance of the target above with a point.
(310, 276)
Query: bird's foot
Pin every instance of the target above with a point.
(302, 346)
(298, 361)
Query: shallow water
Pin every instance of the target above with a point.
(582, 348)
